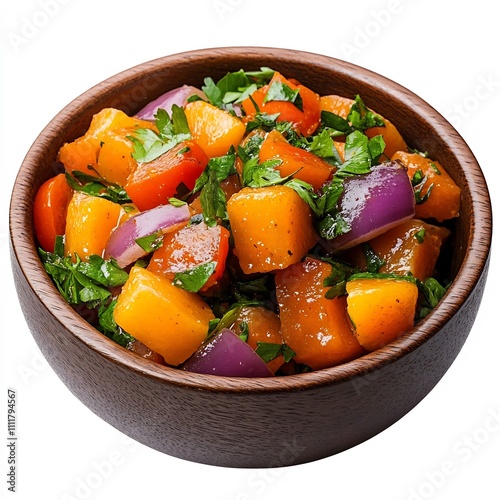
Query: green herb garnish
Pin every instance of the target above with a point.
(269, 351)
(193, 279)
(149, 145)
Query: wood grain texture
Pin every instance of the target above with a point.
(221, 421)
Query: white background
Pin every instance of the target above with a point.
(446, 52)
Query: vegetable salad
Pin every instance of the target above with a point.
(250, 227)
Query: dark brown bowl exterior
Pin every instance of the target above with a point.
(253, 422)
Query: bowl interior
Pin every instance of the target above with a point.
(421, 125)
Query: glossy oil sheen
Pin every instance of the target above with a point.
(218, 420)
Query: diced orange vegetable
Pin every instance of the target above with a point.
(153, 183)
(114, 119)
(412, 247)
(340, 147)
(305, 120)
(80, 155)
(49, 210)
(316, 328)
(272, 228)
(444, 199)
(342, 105)
(336, 104)
(263, 326)
(189, 247)
(89, 223)
(115, 162)
(381, 309)
(145, 352)
(167, 319)
(214, 129)
(304, 165)
(106, 135)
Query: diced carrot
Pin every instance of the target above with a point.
(342, 105)
(305, 120)
(272, 228)
(214, 129)
(412, 247)
(153, 183)
(304, 165)
(89, 223)
(439, 193)
(381, 309)
(263, 326)
(315, 327)
(49, 210)
(167, 319)
(189, 247)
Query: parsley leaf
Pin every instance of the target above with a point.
(193, 279)
(373, 261)
(263, 174)
(83, 282)
(432, 292)
(335, 122)
(151, 242)
(388, 276)
(149, 145)
(235, 87)
(97, 186)
(213, 200)
(279, 91)
(269, 351)
(337, 279)
(418, 182)
(212, 197)
(361, 117)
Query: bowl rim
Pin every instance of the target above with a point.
(470, 271)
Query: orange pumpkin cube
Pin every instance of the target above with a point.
(89, 223)
(316, 328)
(167, 319)
(303, 164)
(381, 309)
(440, 194)
(272, 228)
(214, 129)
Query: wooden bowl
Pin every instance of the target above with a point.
(253, 422)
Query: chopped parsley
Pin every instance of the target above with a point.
(97, 186)
(234, 87)
(193, 279)
(279, 91)
(269, 351)
(149, 145)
